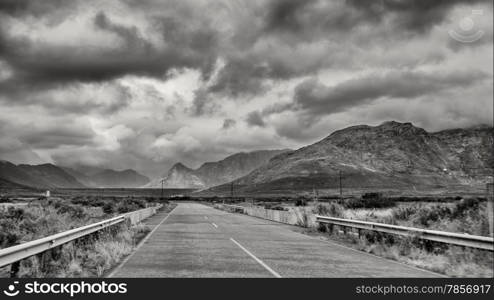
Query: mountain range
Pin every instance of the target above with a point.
(107, 178)
(52, 176)
(37, 176)
(214, 173)
(392, 155)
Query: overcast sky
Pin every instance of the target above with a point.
(145, 83)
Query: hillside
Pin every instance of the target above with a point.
(116, 179)
(389, 156)
(107, 178)
(39, 176)
(214, 173)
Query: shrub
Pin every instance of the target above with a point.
(368, 200)
(332, 210)
(5, 199)
(108, 208)
(465, 206)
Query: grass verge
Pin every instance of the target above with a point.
(90, 256)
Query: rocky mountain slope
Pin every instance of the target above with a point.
(214, 173)
(115, 179)
(107, 178)
(179, 176)
(39, 176)
(391, 155)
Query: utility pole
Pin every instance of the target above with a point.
(490, 207)
(341, 188)
(162, 188)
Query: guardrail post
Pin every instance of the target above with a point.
(14, 269)
(41, 260)
(490, 207)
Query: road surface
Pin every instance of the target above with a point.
(195, 240)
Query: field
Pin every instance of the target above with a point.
(26, 219)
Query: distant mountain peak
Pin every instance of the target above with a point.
(214, 173)
(108, 178)
(394, 127)
(42, 176)
(392, 155)
(401, 128)
(181, 167)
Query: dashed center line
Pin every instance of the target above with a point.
(256, 259)
(215, 226)
(111, 274)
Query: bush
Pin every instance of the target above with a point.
(86, 257)
(465, 206)
(5, 199)
(332, 210)
(73, 211)
(108, 208)
(368, 202)
(301, 202)
(275, 207)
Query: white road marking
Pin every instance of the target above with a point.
(139, 245)
(256, 259)
(215, 226)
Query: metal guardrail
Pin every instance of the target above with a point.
(137, 216)
(473, 241)
(14, 254)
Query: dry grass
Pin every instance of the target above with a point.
(464, 216)
(89, 256)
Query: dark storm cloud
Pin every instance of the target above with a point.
(55, 137)
(319, 15)
(107, 99)
(255, 118)
(36, 64)
(42, 135)
(413, 15)
(299, 25)
(193, 42)
(76, 59)
(241, 76)
(130, 35)
(33, 7)
(314, 98)
(286, 14)
(202, 103)
(228, 123)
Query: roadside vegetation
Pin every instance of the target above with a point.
(462, 216)
(90, 256)
(451, 214)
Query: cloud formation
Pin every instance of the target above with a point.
(146, 83)
(317, 99)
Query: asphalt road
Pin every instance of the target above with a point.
(195, 240)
